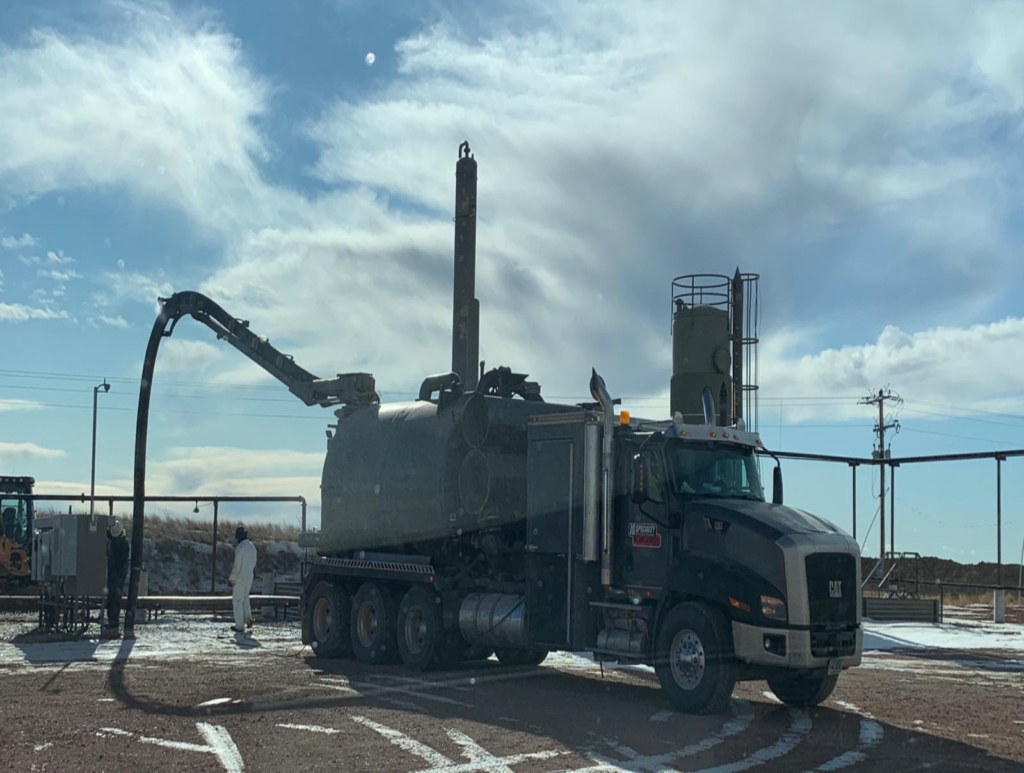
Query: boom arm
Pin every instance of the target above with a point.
(348, 388)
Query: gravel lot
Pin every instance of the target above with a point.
(186, 696)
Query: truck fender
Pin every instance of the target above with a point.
(714, 580)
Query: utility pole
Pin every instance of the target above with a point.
(92, 482)
(881, 453)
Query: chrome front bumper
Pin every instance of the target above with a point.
(748, 643)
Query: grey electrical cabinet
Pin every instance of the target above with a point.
(70, 553)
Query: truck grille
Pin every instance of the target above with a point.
(832, 598)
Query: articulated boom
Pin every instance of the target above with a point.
(347, 388)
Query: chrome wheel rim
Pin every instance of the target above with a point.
(322, 619)
(415, 630)
(366, 623)
(688, 660)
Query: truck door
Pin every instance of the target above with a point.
(644, 539)
(550, 508)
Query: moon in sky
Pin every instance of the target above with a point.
(370, 58)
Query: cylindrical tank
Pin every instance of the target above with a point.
(494, 620)
(406, 473)
(700, 359)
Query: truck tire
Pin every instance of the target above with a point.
(422, 642)
(801, 689)
(693, 659)
(328, 621)
(373, 625)
(527, 657)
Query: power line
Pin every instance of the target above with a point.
(961, 437)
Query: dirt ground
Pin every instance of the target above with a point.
(188, 696)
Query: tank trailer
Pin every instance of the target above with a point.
(480, 519)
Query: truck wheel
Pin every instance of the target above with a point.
(373, 625)
(328, 621)
(421, 639)
(527, 657)
(803, 690)
(692, 658)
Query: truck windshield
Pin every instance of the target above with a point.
(712, 470)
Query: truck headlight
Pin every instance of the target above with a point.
(773, 608)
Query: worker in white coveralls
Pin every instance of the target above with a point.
(241, 580)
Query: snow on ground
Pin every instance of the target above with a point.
(166, 640)
(190, 638)
(951, 635)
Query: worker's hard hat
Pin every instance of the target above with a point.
(116, 530)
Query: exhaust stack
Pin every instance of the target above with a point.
(466, 308)
(600, 393)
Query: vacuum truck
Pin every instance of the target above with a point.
(480, 519)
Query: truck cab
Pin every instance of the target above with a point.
(711, 583)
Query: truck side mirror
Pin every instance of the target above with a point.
(639, 480)
(777, 485)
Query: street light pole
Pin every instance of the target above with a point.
(92, 483)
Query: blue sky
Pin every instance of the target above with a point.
(865, 162)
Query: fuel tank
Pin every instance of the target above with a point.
(415, 472)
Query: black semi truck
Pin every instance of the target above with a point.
(480, 519)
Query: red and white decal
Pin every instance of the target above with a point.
(645, 535)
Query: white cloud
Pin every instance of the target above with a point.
(13, 404)
(10, 451)
(183, 355)
(617, 149)
(137, 287)
(233, 470)
(59, 276)
(17, 312)
(18, 242)
(981, 366)
(163, 92)
(59, 258)
(116, 321)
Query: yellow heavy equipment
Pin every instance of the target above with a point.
(16, 516)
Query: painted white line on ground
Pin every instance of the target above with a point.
(798, 730)
(480, 760)
(309, 728)
(218, 743)
(213, 702)
(871, 734)
(662, 716)
(224, 749)
(743, 715)
(404, 742)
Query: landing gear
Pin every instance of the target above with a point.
(329, 619)
(693, 659)
(373, 625)
(803, 690)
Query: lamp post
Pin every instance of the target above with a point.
(92, 483)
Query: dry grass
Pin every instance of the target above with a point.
(170, 527)
(166, 527)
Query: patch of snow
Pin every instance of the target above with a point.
(887, 637)
(43, 746)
